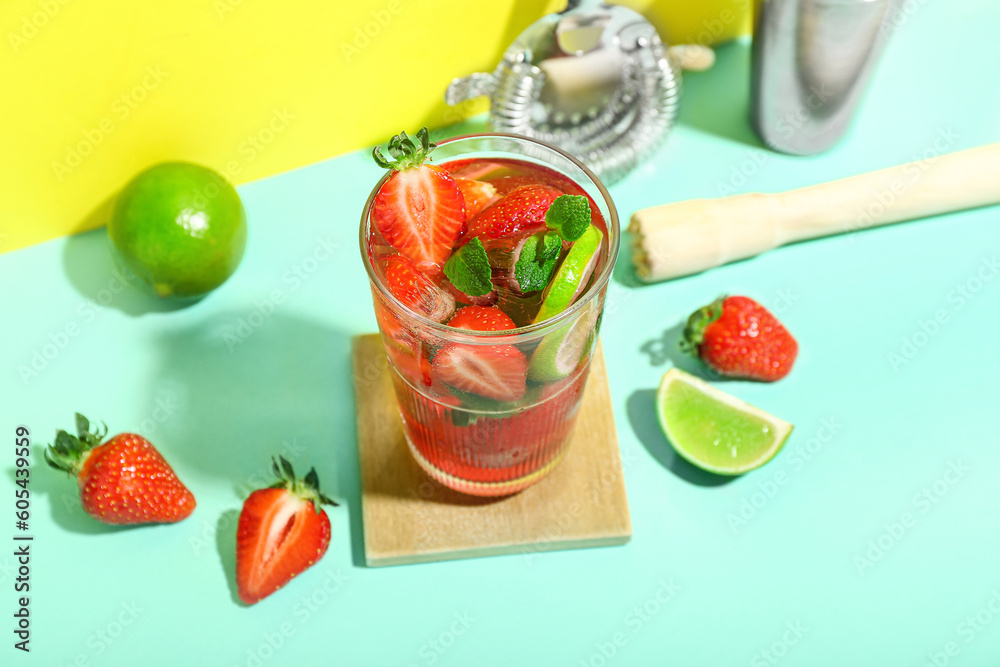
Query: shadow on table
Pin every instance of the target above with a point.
(243, 386)
(641, 409)
(666, 348)
(225, 541)
(717, 101)
(92, 270)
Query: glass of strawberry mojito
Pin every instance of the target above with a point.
(489, 260)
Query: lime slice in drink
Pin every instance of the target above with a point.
(572, 275)
(714, 430)
(560, 352)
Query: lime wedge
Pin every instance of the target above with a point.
(561, 351)
(714, 430)
(572, 275)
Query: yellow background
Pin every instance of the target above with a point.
(94, 92)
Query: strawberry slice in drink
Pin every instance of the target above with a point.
(481, 318)
(419, 210)
(463, 298)
(521, 211)
(498, 372)
(476, 194)
(412, 364)
(417, 292)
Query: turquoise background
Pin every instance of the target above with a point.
(892, 451)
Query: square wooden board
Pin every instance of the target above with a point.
(409, 518)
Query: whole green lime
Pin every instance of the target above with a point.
(180, 227)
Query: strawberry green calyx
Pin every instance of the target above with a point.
(468, 269)
(407, 154)
(569, 215)
(70, 451)
(306, 488)
(694, 332)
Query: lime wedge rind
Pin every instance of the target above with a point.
(714, 430)
(561, 351)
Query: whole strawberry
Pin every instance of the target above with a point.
(419, 208)
(121, 481)
(282, 531)
(737, 337)
(521, 211)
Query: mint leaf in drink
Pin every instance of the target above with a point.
(569, 216)
(551, 245)
(536, 261)
(468, 269)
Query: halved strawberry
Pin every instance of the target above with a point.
(416, 291)
(413, 365)
(495, 371)
(282, 531)
(476, 194)
(481, 318)
(522, 210)
(419, 209)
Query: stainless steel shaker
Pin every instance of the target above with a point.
(811, 62)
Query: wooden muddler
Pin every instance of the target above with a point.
(690, 236)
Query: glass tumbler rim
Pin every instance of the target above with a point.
(511, 336)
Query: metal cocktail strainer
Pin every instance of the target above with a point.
(594, 79)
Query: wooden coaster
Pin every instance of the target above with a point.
(409, 518)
